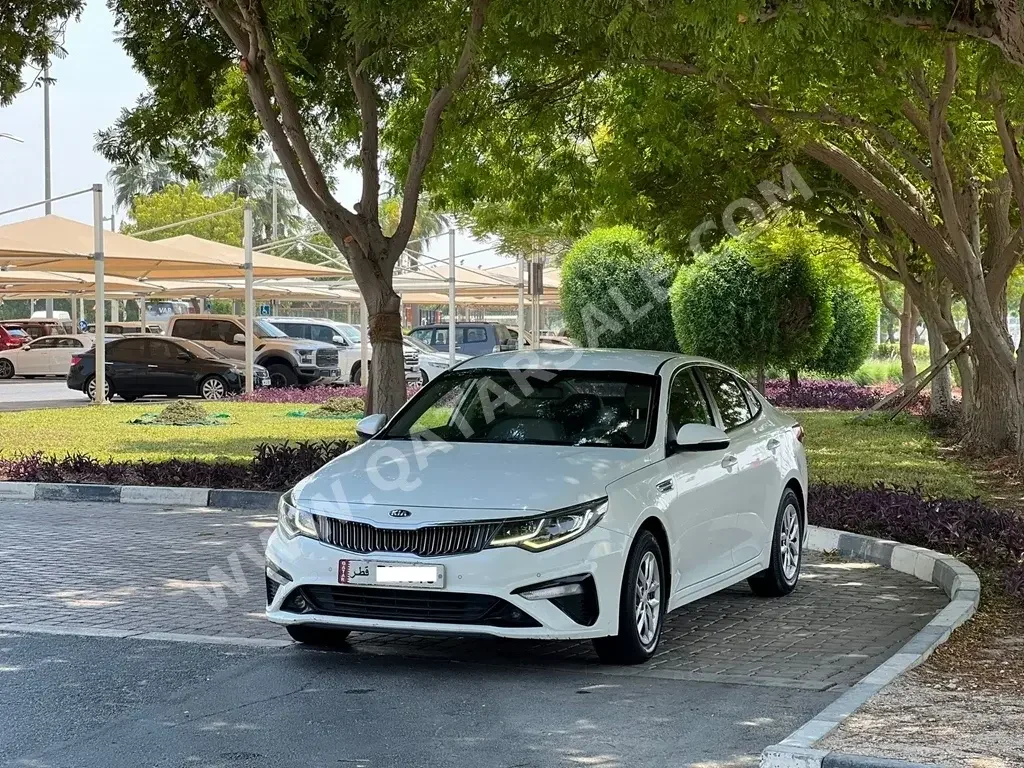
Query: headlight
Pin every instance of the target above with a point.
(293, 521)
(558, 527)
(306, 355)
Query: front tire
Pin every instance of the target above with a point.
(324, 637)
(282, 375)
(783, 572)
(642, 605)
(213, 388)
(6, 368)
(357, 374)
(424, 379)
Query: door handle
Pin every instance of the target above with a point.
(665, 485)
(151, 365)
(773, 444)
(729, 461)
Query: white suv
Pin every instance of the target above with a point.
(343, 336)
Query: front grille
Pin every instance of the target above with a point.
(327, 358)
(406, 605)
(412, 359)
(432, 541)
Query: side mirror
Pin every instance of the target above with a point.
(340, 340)
(368, 426)
(184, 356)
(701, 437)
(238, 338)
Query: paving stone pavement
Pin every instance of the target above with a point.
(143, 569)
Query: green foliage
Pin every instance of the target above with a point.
(853, 332)
(176, 203)
(337, 408)
(30, 31)
(890, 350)
(613, 291)
(754, 302)
(183, 413)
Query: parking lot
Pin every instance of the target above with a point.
(21, 394)
(136, 577)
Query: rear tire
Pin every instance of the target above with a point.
(783, 572)
(282, 375)
(642, 605)
(90, 388)
(6, 368)
(324, 637)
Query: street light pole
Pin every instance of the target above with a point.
(47, 191)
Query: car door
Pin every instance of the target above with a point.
(754, 478)
(34, 359)
(219, 335)
(60, 355)
(167, 373)
(125, 365)
(697, 486)
(475, 340)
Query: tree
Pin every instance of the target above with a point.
(259, 180)
(754, 302)
(317, 78)
(148, 175)
(613, 294)
(30, 31)
(855, 318)
(176, 203)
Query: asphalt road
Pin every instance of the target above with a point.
(24, 394)
(84, 702)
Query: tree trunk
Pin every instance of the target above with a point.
(942, 406)
(994, 423)
(760, 377)
(386, 392)
(908, 323)
(794, 377)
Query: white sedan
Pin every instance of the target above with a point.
(45, 356)
(431, 362)
(584, 497)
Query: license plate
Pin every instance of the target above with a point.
(264, 382)
(373, 573)
(331, 373)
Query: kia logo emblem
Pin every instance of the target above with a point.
(400, 513)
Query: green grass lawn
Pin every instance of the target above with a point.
(104, 432)
(899, 453)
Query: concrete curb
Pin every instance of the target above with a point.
(958, 581)
(255, 501)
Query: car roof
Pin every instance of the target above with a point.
(458, 323)
(574, 358)
(319, 320)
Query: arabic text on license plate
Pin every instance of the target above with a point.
(371, 573)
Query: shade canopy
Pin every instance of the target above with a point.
(57, 244)
(26, 281)
(264, 264)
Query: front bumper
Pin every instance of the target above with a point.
(498, 572)
(309, 374)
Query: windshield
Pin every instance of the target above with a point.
(350, 332)
(412, 342)
(599, 408)
(16, 332)
(265, 330)
(199, 350)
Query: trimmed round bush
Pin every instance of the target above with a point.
(615, 291)
(753, 303)
(853, 333)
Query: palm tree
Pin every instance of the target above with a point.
(149, 175)
(256, 181)
(429, 223)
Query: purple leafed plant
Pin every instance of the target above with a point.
(833, 394)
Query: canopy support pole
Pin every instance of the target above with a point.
(101, 340)
(74, 314)
(451, 298)
(141, 302)
(522, 304)
(249, 309)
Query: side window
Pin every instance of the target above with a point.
(322, 333)
(161, 351)
(440, 336)
(69, 343)
(127, 351)
(731, 400)
(686, 402)
(475, 334)
(220, 330)
(189, 329)
(291, 329)
(422, 334)
(752, 400)
(43, 343)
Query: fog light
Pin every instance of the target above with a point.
(548, 593)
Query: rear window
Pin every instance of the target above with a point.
(475, 334)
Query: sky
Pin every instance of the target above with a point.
(93, 84)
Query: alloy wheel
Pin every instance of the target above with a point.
(647, 604)
(6, 369)
(789, 543)
(213, 389)
(91, 389)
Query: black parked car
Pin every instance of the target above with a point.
(144, 365)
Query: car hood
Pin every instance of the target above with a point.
(441, 358)
(451, 482)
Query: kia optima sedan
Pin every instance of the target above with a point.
(556, 494)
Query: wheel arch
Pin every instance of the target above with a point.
(654, 524)
(794, 484)
(273, 359)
